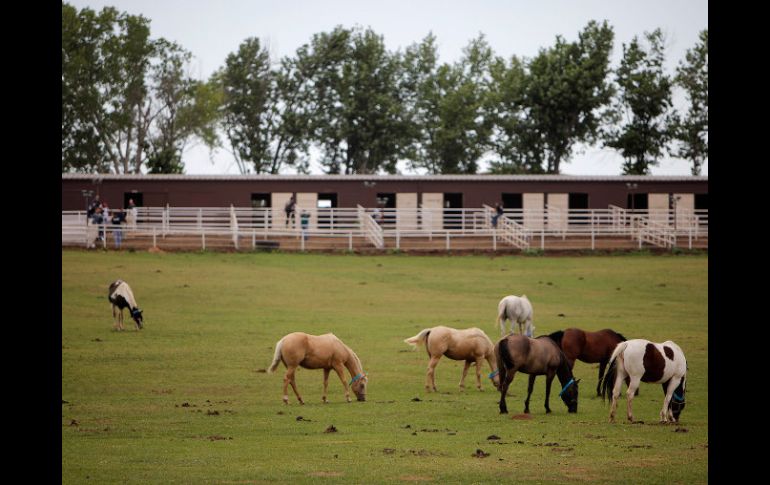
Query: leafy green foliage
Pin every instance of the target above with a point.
(643, 105)
(691, 132)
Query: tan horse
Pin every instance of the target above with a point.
(325, 352)
(470, 344)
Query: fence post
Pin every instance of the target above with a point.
(154, 237)
(689, 238)
(592, 238)
(398, 239)
(542, 239)
(104, 240)
(203, 239)
(447, 241)
(494, 239)
(302, 241)
(350, 241)
(253, 239)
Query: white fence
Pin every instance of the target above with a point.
(418, 228)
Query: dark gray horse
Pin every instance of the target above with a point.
(536, 357)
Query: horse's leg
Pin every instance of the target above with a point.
(602, 367)
(341, 373)
(666, 412)
(293, 383)
(548, 380)
(120, 320)
(430, 378)
(504, 390)
(326, 384)
(630, 393)
(530, 386)
(616, 393)
(478, 373)
(465, 372)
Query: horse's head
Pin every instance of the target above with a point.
(358, 385)
(136, 314)
(495, 378)
(569, 394)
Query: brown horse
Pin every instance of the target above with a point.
(325, 352)
(536, 357)
(589, 347)
(470, 344)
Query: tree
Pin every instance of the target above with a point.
(565, 94)
(692, 131)
(643, 106)
(450, 124)
(358, 114)
(515, 139)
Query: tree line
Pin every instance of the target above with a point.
(129, 103)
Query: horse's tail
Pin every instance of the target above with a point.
(418, 339)
(557, 336)
(612, 370)
(504, 359)
(276, 357)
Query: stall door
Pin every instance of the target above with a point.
(558, 211)
(432, 211)
(533, 210)
(406, 205)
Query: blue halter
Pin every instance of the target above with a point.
(678, 399)
(493, 374)
(358, 376)
(566, 386)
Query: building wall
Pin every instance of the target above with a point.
(192, 191)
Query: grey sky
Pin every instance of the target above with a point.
(213, 29)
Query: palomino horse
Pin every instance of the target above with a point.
(325, 352)
(517, 309)
(121, 297)
(589, 347)
(536, 357)
(470, 344)
(645, 361)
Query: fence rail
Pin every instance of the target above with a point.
(420, 228)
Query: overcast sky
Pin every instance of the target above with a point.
(213, 29)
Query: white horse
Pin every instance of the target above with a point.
(640, 360)
(517, 309)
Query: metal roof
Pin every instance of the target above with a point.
(394, 178)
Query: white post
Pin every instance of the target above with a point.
(398, 239)
(203, 239)
(104, 241)
(154, 237)
(592, 238)
(350, 241)
(494, 239)
(542, 239)
(302, 241)
(689, 238)
(253, 238)
(447, 241)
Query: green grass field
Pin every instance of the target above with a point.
(186, 400)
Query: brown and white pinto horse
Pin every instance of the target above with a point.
(471, 345)
(589, 347)
(645, 361)
(536, 357)
(325, 352)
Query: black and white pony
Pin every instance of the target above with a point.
(640, 360)
(121, 297)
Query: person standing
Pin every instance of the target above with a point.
(498, 213)
(290, 209)
(118, 216)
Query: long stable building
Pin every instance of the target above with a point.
(528, 192)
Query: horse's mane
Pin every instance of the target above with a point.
(557, 336)
(622, 338)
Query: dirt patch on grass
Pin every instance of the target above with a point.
(415, 478)
(331, 429)
(156, 250)
(521, 416)
(480, 453)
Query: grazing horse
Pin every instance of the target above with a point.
(325, 352)
(517, 309)
(121, 296)
(536, 357)
(470, 344)
(590, 347)
(645, 361)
